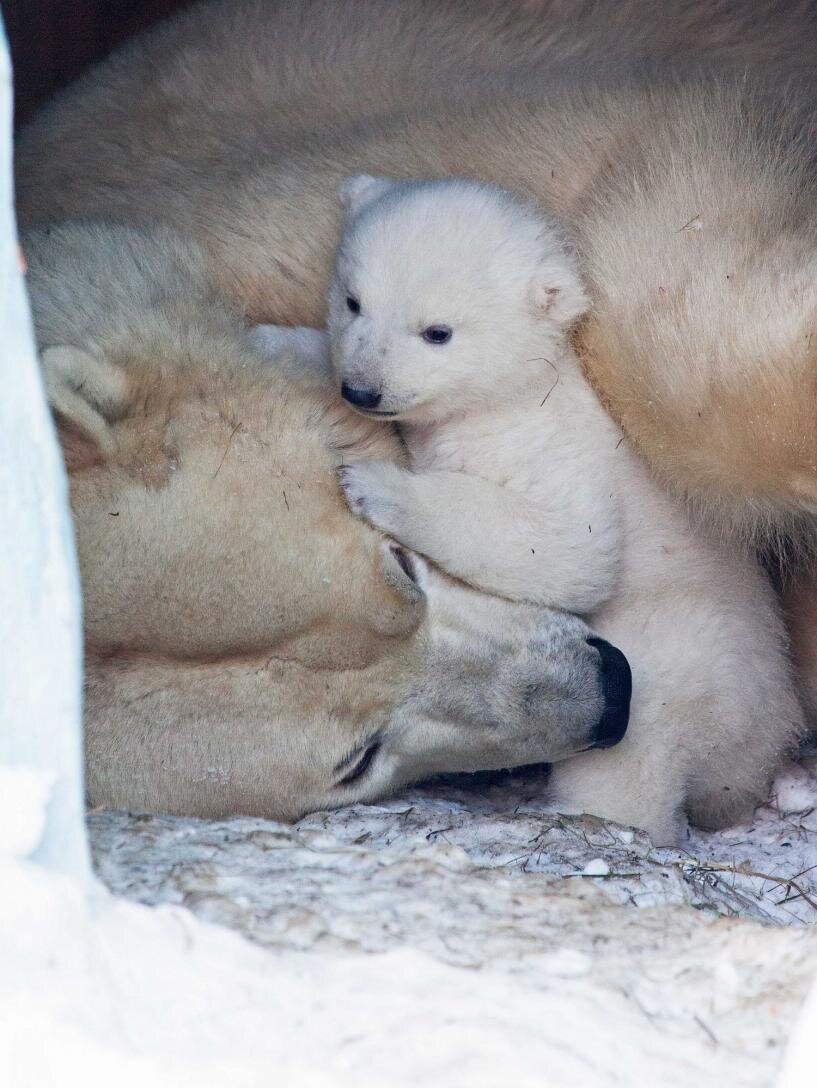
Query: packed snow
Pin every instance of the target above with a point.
(138, 997)
(334, 865)
(464, 933)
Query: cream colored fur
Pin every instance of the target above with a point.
(247, 639)
(691, 195)
(519, 483)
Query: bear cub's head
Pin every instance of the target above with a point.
(447, 296)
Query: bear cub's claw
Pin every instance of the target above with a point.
(376, 491)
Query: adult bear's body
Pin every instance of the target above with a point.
(692, 200)
(690, 195)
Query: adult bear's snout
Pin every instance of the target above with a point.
(617, 686)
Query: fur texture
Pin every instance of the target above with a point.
(519, 483)
(497, 487)
(249, 641)
(683, 166)
(692, 198)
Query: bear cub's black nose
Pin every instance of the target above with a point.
(617, 687)
(361, 398)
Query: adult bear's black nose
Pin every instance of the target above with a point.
(361, 398)
(617, 686)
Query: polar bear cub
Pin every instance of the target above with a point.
(449, 313)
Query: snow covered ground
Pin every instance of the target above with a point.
(262, 875)
(468, 935)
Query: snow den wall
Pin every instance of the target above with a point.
(40, 625)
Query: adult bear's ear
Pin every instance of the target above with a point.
(558, 293)
(85, 395)
(358, 191)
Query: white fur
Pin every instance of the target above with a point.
(521, 485)
(475, 412)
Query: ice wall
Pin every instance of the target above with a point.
(40, 644)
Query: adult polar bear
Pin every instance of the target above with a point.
(685, 242)
(250, 646)
(692, 203)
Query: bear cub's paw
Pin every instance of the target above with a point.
(379, 492)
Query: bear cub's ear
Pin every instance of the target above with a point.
(85, 395)
(557, 292)
(361, 189)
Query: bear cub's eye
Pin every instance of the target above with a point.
(353, 304)
(437, 334)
